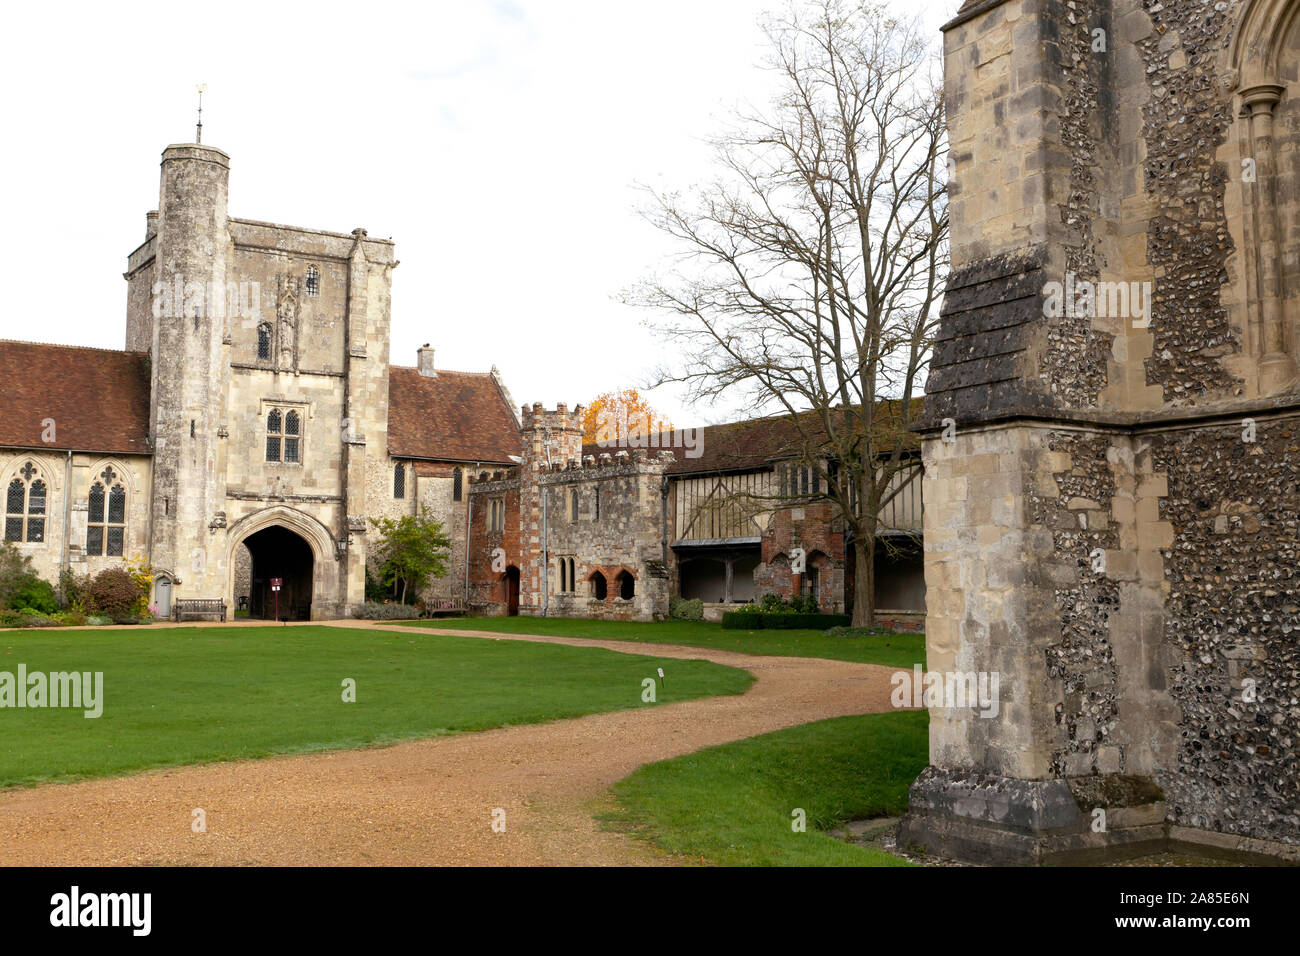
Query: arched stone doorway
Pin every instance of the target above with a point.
(290, 544)
(279, 554)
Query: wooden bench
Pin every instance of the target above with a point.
(198, 607)
(452, 606)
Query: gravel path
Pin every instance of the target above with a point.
(426, 802)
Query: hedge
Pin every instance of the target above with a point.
(756, 620)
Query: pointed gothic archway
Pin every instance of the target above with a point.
(279, 554)
(288, 544)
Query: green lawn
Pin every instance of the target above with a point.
(183, 696)
(732, 805)
(894, 650)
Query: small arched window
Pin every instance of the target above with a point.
(626, 585)
(599, 588)
(264, 342)
(564, 574)
(399, 480)
(573, 583)
(106, 520)
(457, 485)
(573, 506)
(596, 505)
(313, 281)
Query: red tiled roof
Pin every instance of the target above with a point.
(453, 416)
(98, 398)
(755, 443)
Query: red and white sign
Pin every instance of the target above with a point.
(277, 583)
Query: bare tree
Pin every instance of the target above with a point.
(812, 265)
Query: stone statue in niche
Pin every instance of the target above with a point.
(287, 313)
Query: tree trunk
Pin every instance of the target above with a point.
(864, 581)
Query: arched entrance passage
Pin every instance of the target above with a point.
(279, 553)
(510, 582)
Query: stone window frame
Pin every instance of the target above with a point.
(112, 492)
(458, 484)
(399, 481)
(595, 501)
(496, 515)
(599, 585)
(25, 479)
(568, 575)
(625, 575)
(573, 506)
(311, 283)
(303, 412)
(265, 338)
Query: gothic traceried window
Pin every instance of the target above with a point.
(106, 518)
(291, 439)
(313, 281)
(264, 342)
(284, 436)
(25, 507)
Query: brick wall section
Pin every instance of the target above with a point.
(812, 528)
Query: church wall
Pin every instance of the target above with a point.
(66, 520)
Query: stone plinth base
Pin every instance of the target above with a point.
(979, 818)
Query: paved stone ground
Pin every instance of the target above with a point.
(427, 802)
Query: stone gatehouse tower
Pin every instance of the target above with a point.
(1112, 444)
(269, 384)
(252, 427)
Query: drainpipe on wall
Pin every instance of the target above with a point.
(64, 563)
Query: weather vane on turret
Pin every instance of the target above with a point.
(199, 133)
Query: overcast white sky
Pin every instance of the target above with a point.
(498, 142)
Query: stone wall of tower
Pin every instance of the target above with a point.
(1108, 524)
(189, 377)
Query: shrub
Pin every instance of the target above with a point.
(797, 620)
(372, 611)
(26, 617)
(858, 632)
(20, 587)
(752, 619)
(98, 620)
(748, 619)
(680, 609)
(74, 616)
(32, 592)
(118, 594)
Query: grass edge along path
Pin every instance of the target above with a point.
(733, 805)
(889, 650)
(186, 696)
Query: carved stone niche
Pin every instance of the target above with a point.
(1265, 50)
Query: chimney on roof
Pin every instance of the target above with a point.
(425, 361)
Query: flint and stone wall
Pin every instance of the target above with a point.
(1112, 501)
